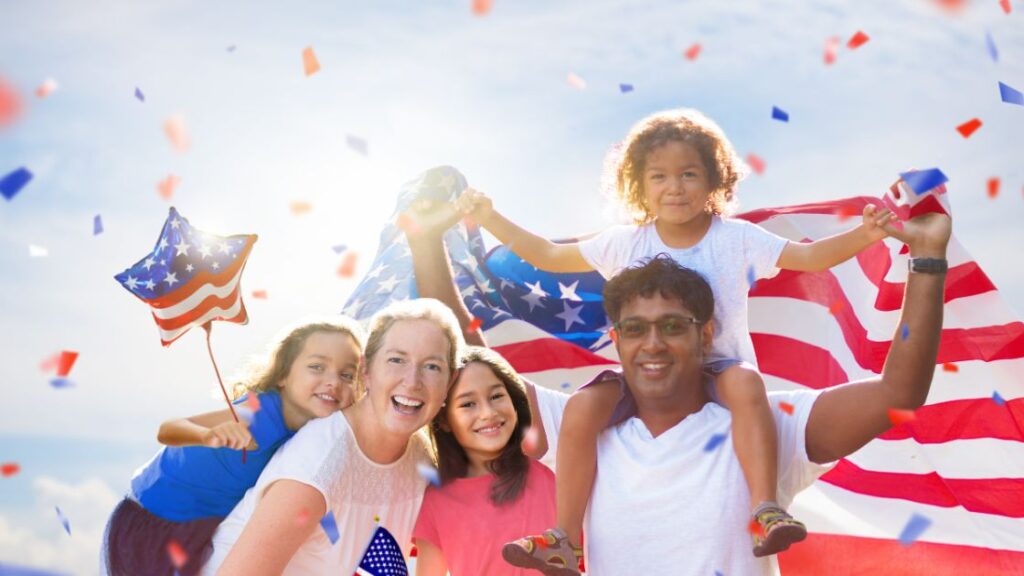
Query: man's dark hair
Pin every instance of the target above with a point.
(665, 276)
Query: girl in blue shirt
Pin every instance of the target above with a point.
(180, 496)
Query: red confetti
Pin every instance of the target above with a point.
(953, 6)
(50, 364)
(969, 127)
(176, 553)
(836, 306)
(407, 224)
(414, 552)
(897, 416)
(831, 45)
(66, 361)
(755, 528)
(1005, 5)
(756, 163)
(348, 265)
(174, 128)
(260, 294)
(575, 81)
(993, 187)
(252, 402)
(309, 62)
(165, 188)
(482, 7)
(301, 517)
(693, 51)
(10, 104)
(299, 207)
(9, 469)
(786, 407)
(857, 40)
(475, 324)
(844, 213)
(530, 439)
(46, 88)
(950, 367)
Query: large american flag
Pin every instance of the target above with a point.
(960, 464)
(190, 277)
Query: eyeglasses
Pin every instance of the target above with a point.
(668, 327)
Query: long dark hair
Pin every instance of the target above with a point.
(511, 466)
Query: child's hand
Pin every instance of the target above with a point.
(476, 205)
(234, 435)
(877, 222)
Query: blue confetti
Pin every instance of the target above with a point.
(1011, 95)
(990, 43)
(714, 442)
(429, 473)
(356, 143)
(565, 384)
(779, 114)
(921, 181)
(139, 95)
(63, 520)
(751, 277)
(14, 182)
(914, 528)
(998, 399)
(624, 88)
(59, 383)
(905, 332)
(97, 225)
(231, 48)
(339, 248)
(330, 526)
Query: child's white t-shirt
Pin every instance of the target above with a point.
(324, 454)
(730, 256)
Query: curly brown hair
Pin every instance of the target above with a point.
(723, 166)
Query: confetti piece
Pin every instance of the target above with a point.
(1010, 95)
(530, 439)
(475, 324)
(338, 249)
(993, 187)
(13, 182)
(252, 402)
(174, 128)
(1005, 4)
(413, 552)
(310, 64)
(857, 40)
(407, 224)
(429, 473)
(692, 52)
(348, 265)
(50, 363)
(176, 553)
(921, 181)
(576, 82)
(46, 88)
(756, 163)
(836, 306)
(66, 362)
(231, 48)
(139, 95)
(302, 517)
(37, 251)
(299, 207)
(969, 127)
(897, 416)
(259, 294)
(998, 399)
(482, 7)
(755, 528)
(714, 442)
(8, 469)
(10, 104)
(779, 114)
(905, 332)
(950, 367)
(330, 526)
(59, 383)
(63, 520)
(97, 225)
(844, 213)
(990, 43)
(786, 407)
(376, 519)
(356, 143)
(624, 88)
(831, 46)
(914, 529)
(165, 188)
(566, 385)
(751, 277)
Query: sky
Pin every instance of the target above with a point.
(422, 83)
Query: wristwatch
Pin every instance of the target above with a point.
(928, 265)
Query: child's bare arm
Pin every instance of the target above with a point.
(827, 252)
(540, 252)
(212, 429)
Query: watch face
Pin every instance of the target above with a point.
(928, 265)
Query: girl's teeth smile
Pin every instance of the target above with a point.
(327, 398)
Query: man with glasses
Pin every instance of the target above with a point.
(669, 496)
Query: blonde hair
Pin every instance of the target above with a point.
(724, 168)
(264, 372)
(419, 309)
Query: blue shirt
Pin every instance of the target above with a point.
(183, 483)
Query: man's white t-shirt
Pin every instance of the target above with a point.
(730, 256)
(665, 505)
(325, 455)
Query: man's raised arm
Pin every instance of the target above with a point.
(847, 417)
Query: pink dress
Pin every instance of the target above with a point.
(461, 521)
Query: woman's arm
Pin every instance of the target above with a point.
(429, 559)
(285, 517)
(212, 429)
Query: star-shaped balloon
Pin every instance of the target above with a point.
(190, 278)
